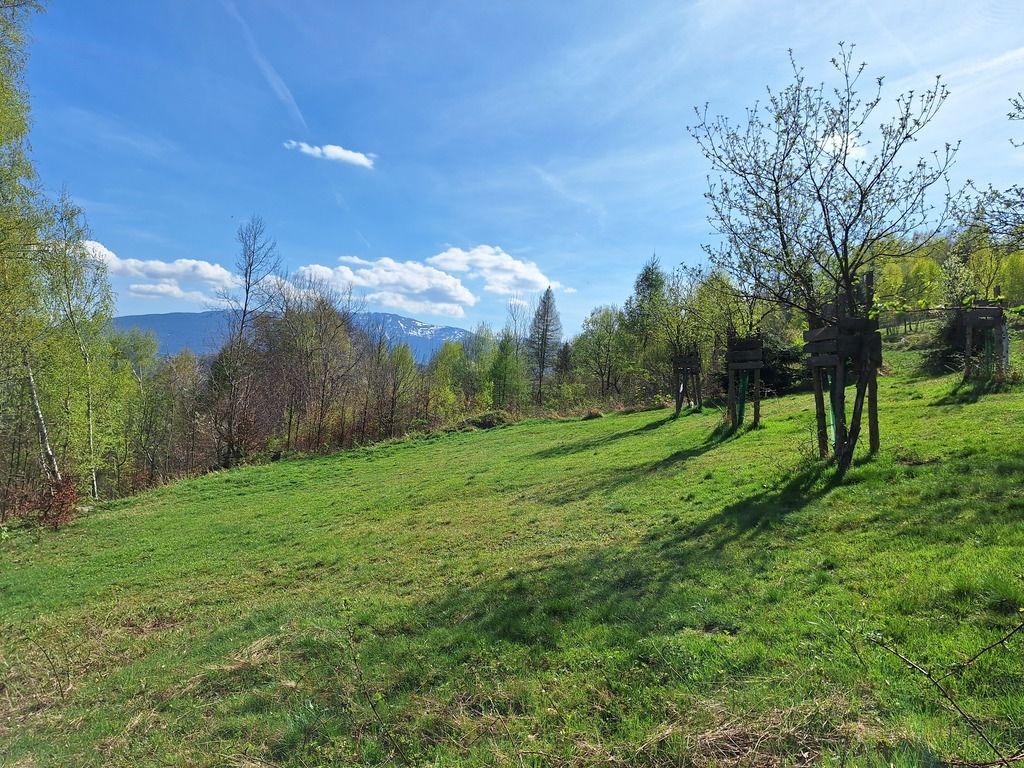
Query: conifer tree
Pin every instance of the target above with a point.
(545, 338)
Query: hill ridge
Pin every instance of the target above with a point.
(202, 332)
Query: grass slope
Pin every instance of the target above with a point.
(632, 590)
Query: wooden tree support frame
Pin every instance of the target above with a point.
(986, 319)
(687, 379)
(845, 344)
(743, 356)
(850, 344)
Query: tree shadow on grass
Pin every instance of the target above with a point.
(692, 410)
(629, 583)
(758, 514)
(721, 434)
(613, 479)
(568, 449)
(970, 391)
(617, 606)
(648, 618)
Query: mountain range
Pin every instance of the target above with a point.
(204, 332)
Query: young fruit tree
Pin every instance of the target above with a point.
(814, 186)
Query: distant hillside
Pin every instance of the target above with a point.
(203, 332)
(423, 339)
(200, 332)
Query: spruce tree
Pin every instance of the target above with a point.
(544, 341)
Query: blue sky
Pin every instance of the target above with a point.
(444, 156)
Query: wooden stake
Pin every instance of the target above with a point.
(840, 406)
(819, 411)
(967, 348)
(1001, 346)
(732, 397)
(873, 409)
(757, 397)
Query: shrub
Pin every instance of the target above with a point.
(944, 352)
(489, 420)
(58, 503)
(54, 506)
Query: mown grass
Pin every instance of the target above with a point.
(633, 590)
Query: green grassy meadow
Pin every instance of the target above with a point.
(631, 590)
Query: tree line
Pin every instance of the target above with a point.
(807, 195)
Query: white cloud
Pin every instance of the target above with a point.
(332, 152)
(838, 142)
(415, 306)
(568, 290)
(168, 289)
(500, 272)
(406, 285)
(198, 270)
(163, 279)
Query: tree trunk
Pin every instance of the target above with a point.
(731, 398)
(849, 444)
(540, 383)
(839, 407)
(49, 460)
(757, 398)
(291, 413)
(873, 410)
(93, 485)
(678, 387)
(819, 411)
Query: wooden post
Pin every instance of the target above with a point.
(1004, 347)
(678, 387)
(968, 346)
(1002, 338)
(819, 412)
(757, 397)
(732, 396)
(840, 407)
(871, 367)
(872, 409)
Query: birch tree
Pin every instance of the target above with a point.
(80, 301)
(22, 320)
